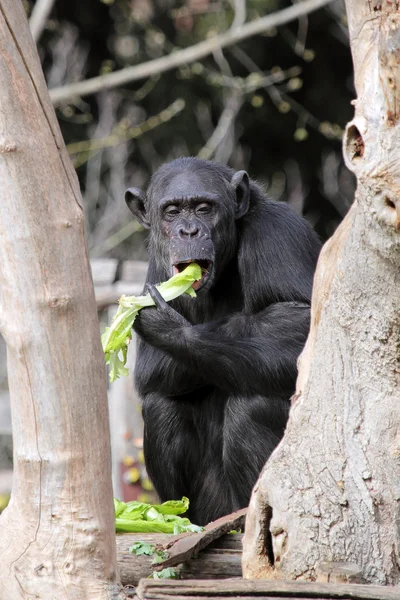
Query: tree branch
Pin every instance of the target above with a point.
(186, 55)
(39, 16)
(220, 133)
(239, 7)
(120, 135)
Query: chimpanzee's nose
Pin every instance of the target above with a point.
(189, 230)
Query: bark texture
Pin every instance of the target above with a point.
(57, 535)
(327, 505)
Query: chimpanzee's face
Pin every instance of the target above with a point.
(192, 223)
(192, 218)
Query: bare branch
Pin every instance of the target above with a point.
(186, 55)
(221, 131)
(115, 239)
(224, 133)
(120, 135)
(239, 7)
(39, 16)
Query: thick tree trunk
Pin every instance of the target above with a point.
(327, 504)
(57, 535)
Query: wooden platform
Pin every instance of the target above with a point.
(248, 590)
(208, 565)
(220, 560)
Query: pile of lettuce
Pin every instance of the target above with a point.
(116, 338)
(139, 517)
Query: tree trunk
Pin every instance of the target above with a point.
(327, 504)
(57, 535)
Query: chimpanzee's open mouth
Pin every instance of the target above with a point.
(206, 268)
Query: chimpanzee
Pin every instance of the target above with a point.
(216, 372)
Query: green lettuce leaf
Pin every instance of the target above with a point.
(116, 338)
(173, 507)
(139, 517)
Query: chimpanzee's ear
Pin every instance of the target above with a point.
(241, 184)
(135, 200)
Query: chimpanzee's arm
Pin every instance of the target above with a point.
(248, 354)
(156, 371)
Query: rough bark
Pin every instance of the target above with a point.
(57, 535)
(328, 501)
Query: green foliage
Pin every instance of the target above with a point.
(140, 548)
(140, 517)
(116, 338)
(233, 531)
(169, 573)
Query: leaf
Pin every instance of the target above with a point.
(117, 364)
(118, 507)
(140, 517)
(152, 514)
(139, 548)
(173, 507)
(141, 526)
(169, 573)
(182, 527)
(116, 338)
(159, 556)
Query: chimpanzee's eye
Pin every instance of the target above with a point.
(204, 208)
(171, 211)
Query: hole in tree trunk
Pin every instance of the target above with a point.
(390, 203)
(354, 144)
(268, 537)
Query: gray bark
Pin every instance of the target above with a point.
(327, 504)
(57, 535)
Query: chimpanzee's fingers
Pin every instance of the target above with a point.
(155, 294)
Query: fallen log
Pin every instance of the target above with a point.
(150, 589)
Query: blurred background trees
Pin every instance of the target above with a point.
(274, 104)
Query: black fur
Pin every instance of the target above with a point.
(216, 373)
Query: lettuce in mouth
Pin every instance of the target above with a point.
(116, 338)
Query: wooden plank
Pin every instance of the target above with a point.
(103, 270)
(231, 542)
(264, 597)
(134, 271)
(110, 294)
(244, 588)
(131, 280)
(188, 545)
(221, 559)
(212, 564)
(129, 288)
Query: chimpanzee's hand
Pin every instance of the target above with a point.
(160, 324)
